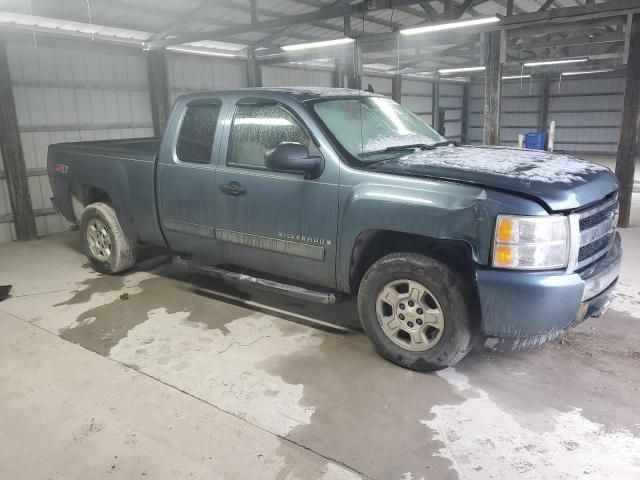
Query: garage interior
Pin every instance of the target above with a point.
(162, 374)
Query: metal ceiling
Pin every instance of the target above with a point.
(599, 37)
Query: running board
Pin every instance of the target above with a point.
(316, 296)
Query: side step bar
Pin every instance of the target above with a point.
(316, 296)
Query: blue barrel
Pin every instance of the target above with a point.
(535, 141)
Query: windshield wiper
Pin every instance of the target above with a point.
(446, 143)
(398, 148)
(421, 146)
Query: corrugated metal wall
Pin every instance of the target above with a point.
(451, 101)
(295, 77)
(6, 228)
(416, 96)
(587, 112)
(193, 73)
(67, 94)
(520, 109)
(78, 91)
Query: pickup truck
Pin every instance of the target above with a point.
(324, 194)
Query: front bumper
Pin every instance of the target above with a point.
(531, 308)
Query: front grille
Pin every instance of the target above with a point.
(593, 248)
(592, 220)
(597, 229)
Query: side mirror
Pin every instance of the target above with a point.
(293, 157)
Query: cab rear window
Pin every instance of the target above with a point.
(198, 128)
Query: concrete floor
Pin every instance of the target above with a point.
(153, 374)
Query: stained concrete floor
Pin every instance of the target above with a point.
(156, 374)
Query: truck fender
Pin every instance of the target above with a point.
(438, 211)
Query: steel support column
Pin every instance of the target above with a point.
(492, 88)
(435, 102)
(464, 117)
(628, 143)
(158, 89)
(337, 79)
(396, 88)
(254, 70)
(354, 67)
(543, 123)
(13, 156)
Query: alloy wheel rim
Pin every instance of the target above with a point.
(99, 240)
(410, 315)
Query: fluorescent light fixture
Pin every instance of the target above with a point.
(458, 79)
(514, 77)
(449, 25)
(196, 51)
(419, 74)
(325, 43)
(555, 62)
(586, 72)
(461, 69)
(70, 28)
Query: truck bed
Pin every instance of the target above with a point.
(121, 172)
(139, 148)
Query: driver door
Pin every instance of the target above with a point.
(271, 221)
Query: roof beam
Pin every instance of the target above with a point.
(268, 40)
(58, 13)
(569, 42)
(368, 18)
(253, 10)
(505, 4)
(546, 5)
(323, 14)
(179, 22)
(464, 7)
(429, 10)
(265, 12)
(571, 14)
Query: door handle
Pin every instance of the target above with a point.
(232, 188)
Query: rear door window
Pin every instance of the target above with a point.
(198, 128)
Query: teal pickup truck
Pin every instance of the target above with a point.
(326, 193)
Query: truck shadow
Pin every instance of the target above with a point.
(339, 318)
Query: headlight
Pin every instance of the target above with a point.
(531, 243)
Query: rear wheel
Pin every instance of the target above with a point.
(105, 244)
(416, 311)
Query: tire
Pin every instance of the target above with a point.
(105, 244)
(444, 309)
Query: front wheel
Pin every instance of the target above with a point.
(417, 311)
(105, 244)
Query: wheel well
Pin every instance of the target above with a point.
(372, 245)
(86, 196)
(94, 194)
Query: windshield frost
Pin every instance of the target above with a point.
(372, 124)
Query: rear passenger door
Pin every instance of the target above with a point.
(186, 176)
(272, 221)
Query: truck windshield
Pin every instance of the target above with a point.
(373, 128)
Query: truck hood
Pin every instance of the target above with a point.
(559, 182)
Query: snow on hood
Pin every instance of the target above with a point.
(522, 164)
